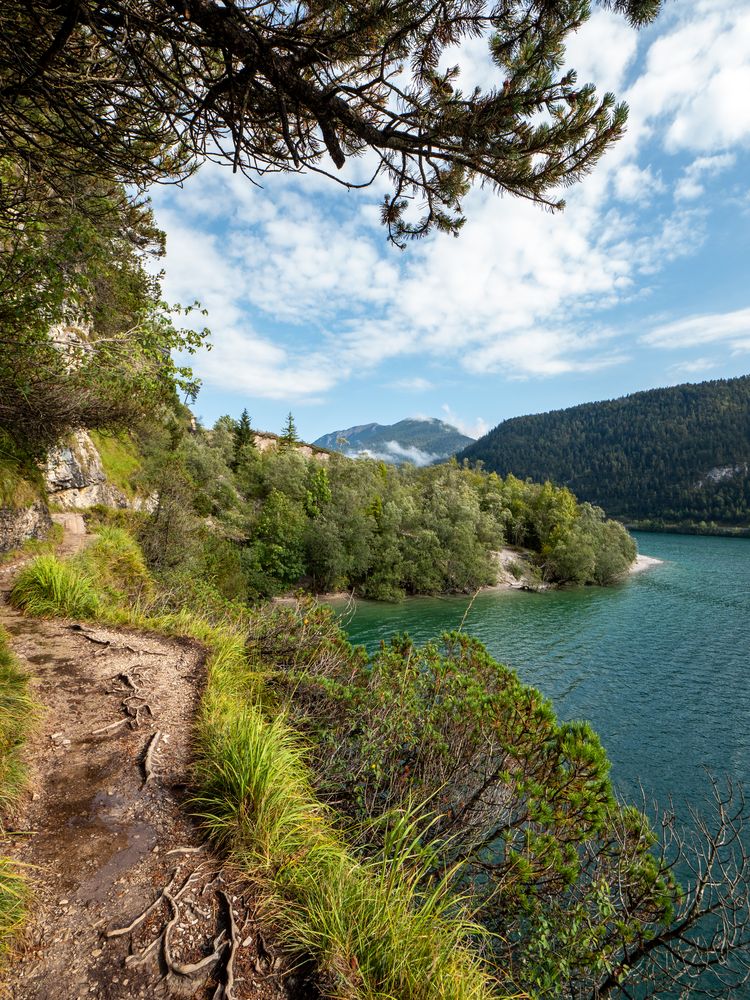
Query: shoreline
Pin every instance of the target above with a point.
(506, 581)
(643, 563)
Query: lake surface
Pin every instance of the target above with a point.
(660, 665)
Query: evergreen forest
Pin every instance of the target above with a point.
(675, 457)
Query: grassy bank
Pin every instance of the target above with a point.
(17, 712)
(369, 925)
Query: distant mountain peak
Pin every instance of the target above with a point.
(418, 440)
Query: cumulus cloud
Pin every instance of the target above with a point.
(696, 78)
(690, 185)
(696, 366)
(397, 453)
(303, 290)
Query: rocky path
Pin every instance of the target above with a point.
(105, 833)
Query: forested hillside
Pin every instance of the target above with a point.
(676, 456)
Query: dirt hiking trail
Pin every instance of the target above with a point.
(126, 901)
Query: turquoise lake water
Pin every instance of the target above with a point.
(660, 665)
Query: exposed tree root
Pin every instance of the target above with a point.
(87, 635)
(225, 990)
(112, 725)
(226, 943)
(119, 931)
(134, 704)
(148, 760)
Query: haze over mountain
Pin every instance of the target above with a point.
(679, 455)
(420, 441)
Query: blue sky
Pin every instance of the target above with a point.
(643, 280)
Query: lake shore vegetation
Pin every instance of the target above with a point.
(284, 517)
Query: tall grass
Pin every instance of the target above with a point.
(17, 713)
(14, 897)
(373, 930)
(49, 587)
(116, 567)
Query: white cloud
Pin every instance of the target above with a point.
(697, 366)
(395, 452)
(690, 185)
(696, 78)
(417, 384)
(517, 293)
(602, 51)
(633, 183)
(240, 359)
(475, 428)
(539, 352)
(693, 331)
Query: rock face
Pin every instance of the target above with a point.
(18, 525)
(75, 478)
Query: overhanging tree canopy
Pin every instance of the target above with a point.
(146, 90)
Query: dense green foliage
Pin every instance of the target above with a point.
(267, 521)
(668, 455)
(85, 339)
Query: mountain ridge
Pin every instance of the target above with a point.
(420, 441)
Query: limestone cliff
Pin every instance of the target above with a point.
(18, 524)
(75, 478)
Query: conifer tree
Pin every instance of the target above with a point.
(271, 87)
(289, 435)
(243, 436)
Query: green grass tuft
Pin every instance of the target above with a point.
(49, 587)
(14, 896)
(115, 565)
(17, 714)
